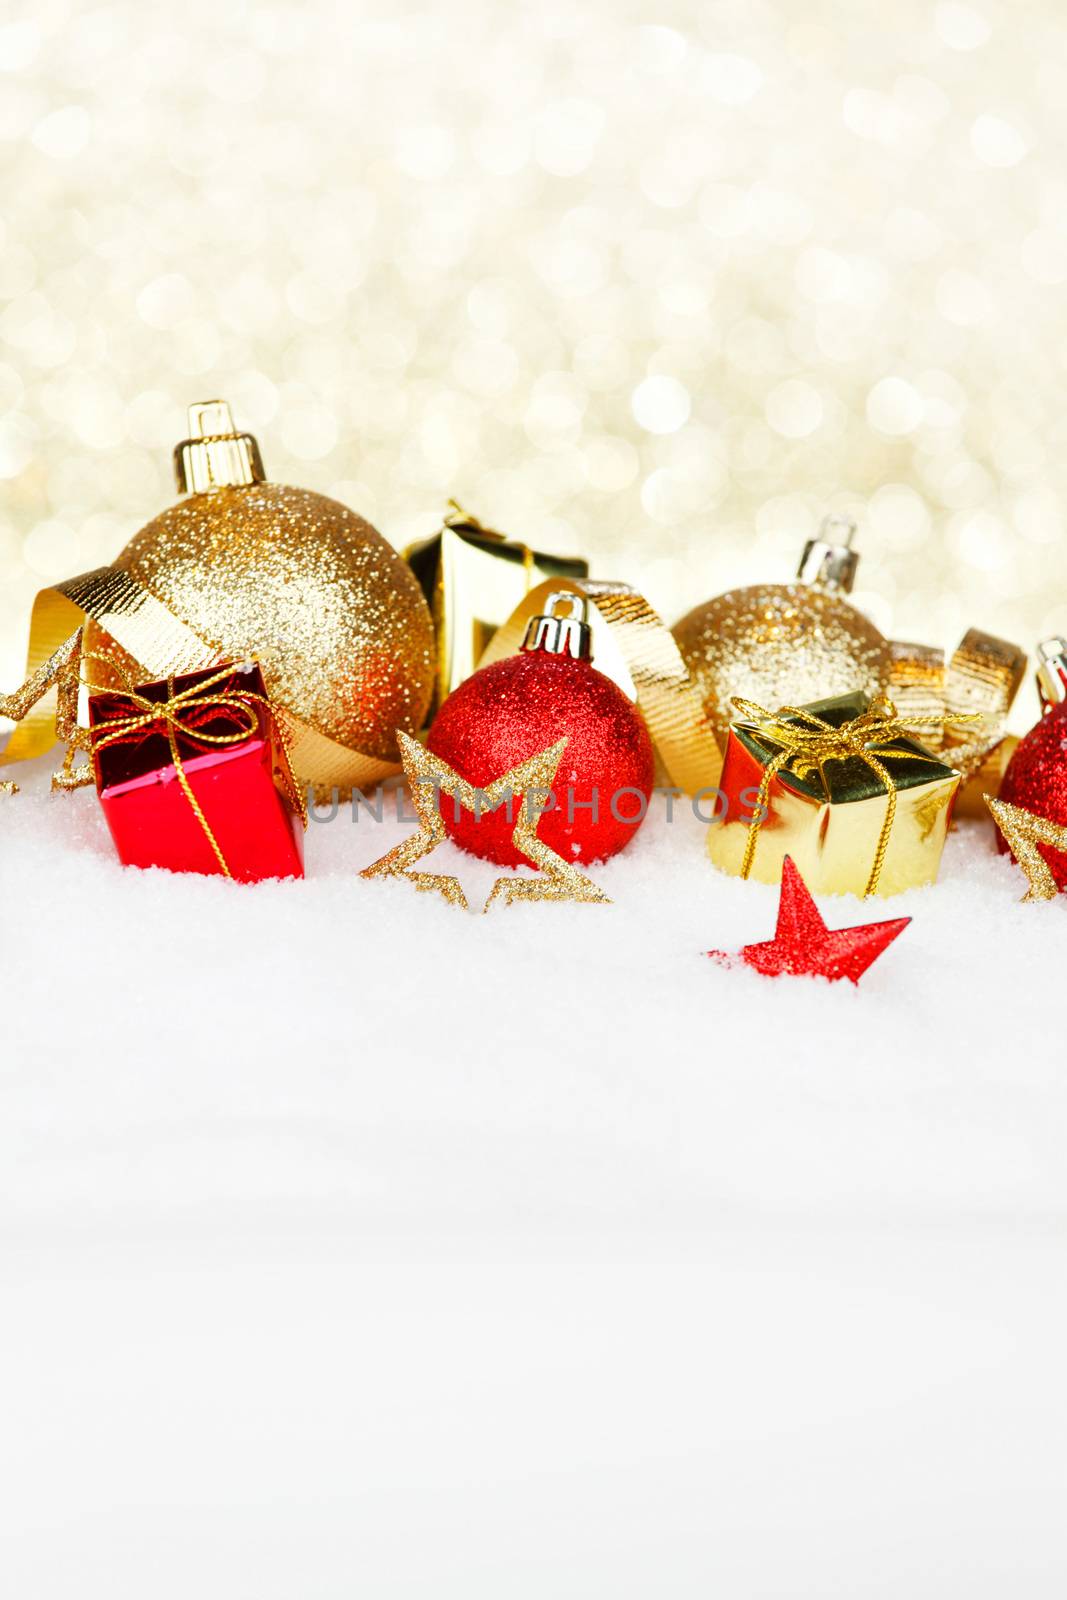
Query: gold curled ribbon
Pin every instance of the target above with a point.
(916, 681)
(983, 676)
(164, 646)
(634, 646)
(181, 715)
(807, 742)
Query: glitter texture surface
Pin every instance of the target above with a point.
(780, 645)
(1035, 786)
(312, 590)
(1039, 846)
(507, 712)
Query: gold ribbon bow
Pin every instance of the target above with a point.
(806, 743)
(182, 715)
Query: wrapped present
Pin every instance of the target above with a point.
(861, 807)
(193, 774)
(474, 578)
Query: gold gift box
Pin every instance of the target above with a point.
(473, 579)
(830, 820)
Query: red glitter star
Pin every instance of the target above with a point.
(804, 945)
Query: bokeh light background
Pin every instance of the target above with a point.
(656, 284)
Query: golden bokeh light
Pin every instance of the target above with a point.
(661, 294)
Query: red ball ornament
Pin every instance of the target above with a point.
(509, 711)
(1036, 775)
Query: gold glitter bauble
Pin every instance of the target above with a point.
(780, 644)
(309, 588)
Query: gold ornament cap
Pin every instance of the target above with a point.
(215, 455)
(1052, 672)
(558, 635)
(830, 560)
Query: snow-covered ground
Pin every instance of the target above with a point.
(355, 1246)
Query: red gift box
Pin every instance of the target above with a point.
(228, 805)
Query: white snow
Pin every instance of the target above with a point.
(353, 1245)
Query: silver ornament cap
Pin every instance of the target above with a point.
(1052, 671)
(830, 561)
(557, 634)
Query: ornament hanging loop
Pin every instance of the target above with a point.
(560, 635)
(215, 455)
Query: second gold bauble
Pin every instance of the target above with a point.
(786, 644)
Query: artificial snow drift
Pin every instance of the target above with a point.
(357, 1245)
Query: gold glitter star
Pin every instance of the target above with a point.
(428, 776)
(1025, 832)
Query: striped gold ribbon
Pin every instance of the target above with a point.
(982, 677)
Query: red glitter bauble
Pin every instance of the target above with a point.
(1036, 780)
(513, 709)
